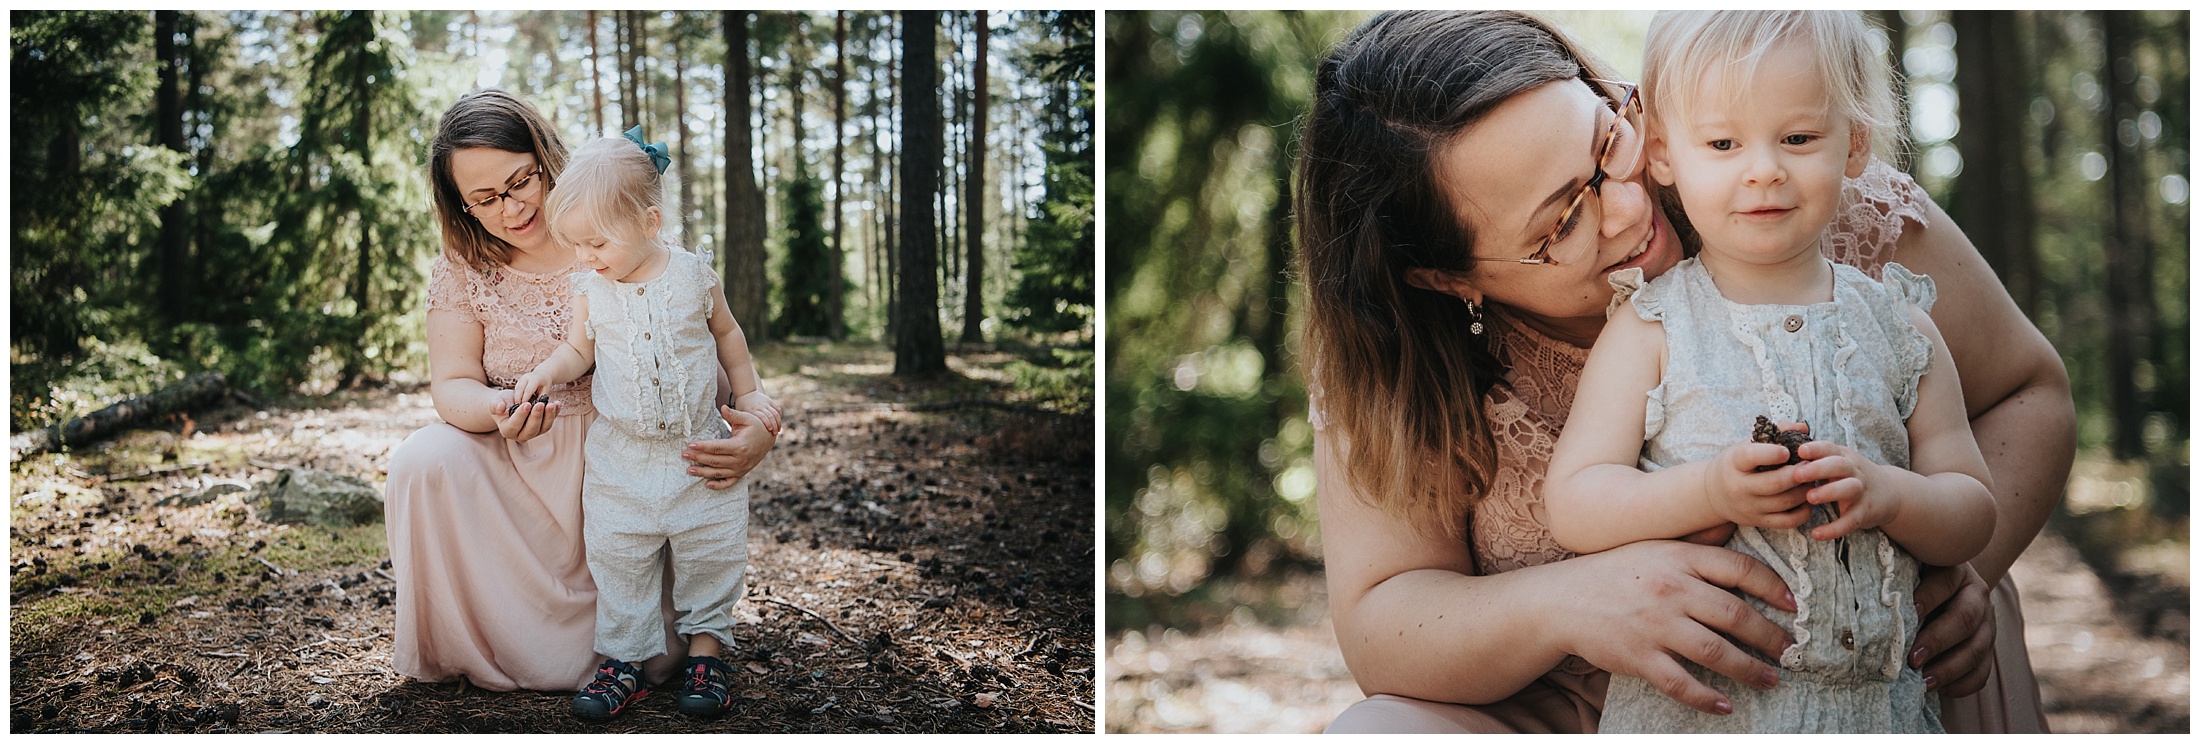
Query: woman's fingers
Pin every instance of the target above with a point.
(1734, 570)
(1674, 680)
(1736, 618)
(1955, 648)
(1726, 613)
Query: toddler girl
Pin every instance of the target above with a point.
(654, 324)
(1755, 117)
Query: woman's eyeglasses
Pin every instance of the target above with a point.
(1612, 162)
(522, 189)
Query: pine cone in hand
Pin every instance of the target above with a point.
(1766, 433)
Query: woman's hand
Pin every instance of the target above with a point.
(1955, 646)
(524, 422)
(723, 462)
(1651, 603)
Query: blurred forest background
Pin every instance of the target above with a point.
(246, 191)
(1209, 507)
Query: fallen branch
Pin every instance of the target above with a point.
(226, 654)
(820, 618)
(279, 572)
(384, 574)
(191, 393)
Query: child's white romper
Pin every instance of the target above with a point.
(656, 381)
(1850, 368)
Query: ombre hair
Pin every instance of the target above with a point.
(1686, 49)
(494, 119)
(1403, 378)
(610, 184)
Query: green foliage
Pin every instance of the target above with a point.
(1061, 380)
(86, 189)
(807, 270)
(1211, 475)
(1053, 291)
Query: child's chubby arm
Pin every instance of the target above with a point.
(573, 358)
(1941, 510)
(1597, 496)
(733, 355)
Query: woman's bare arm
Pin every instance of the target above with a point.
(1412, 619)
(2014, 386)
(461, 389)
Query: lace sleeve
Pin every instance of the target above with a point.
(448, 288)
(1874, 206)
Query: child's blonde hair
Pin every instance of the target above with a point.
(1686, 46)
(612, 183)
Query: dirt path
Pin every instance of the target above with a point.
(945, 555)
(2096, 674)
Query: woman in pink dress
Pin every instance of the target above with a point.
(484, 509)
(1456, 225)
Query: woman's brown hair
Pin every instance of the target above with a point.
(1400, 375)
(495, 119)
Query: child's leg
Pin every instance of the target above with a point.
(629, 572)
(712, 560)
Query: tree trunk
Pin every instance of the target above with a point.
(919, 350)
(746, 290)
(1993, 195)
(974, 224)
(1898, 33)
(679, 126)
(833, 319)
(174, 241)
(894, 159)
(2129, 250)
(362, 132)
(595, 71)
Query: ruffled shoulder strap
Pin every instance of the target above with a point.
(1627, 283)
(1917, 288)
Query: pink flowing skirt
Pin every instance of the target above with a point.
(492, 577)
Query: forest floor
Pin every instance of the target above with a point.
(922, 561)
(2109, 646)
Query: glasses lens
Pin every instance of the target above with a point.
(525, 189)
(480, 208)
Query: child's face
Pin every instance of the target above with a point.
(614, 258)
(1759, 179)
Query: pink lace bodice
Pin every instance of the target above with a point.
(523, 318)
(1528, 405)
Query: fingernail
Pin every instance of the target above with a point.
(1723, 708)
(1931, 682)
(1769, 679)
(1791, 603)
(1917, 656)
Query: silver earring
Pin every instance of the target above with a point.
(1474, 316)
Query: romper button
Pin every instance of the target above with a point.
(645, 337)
(638, 291)
(653, 381)
(1794, 323)
(661, 427)
(1848, 639)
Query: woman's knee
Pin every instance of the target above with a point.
(428, 450)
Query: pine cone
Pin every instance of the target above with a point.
(1766, 433)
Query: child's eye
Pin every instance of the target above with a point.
(1722, 145)
(1798, 140)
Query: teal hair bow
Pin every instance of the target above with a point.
(656, 151)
